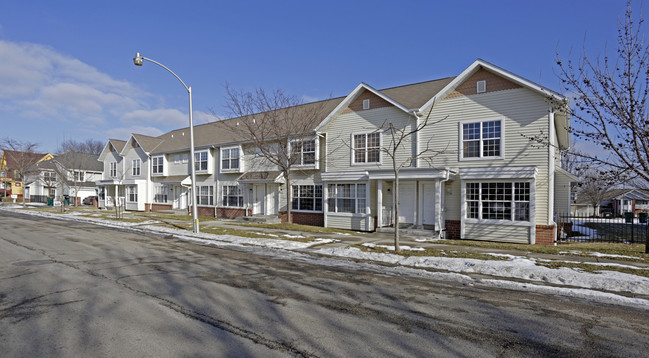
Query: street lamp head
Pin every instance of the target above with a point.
(137, 60)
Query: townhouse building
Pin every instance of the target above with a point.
(486, 181)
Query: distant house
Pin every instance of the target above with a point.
(489, 183)
(72, 174)
(11, 165)
(615, 201)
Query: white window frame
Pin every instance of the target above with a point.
(78, 175)
(316, 152)
(112, 170)
(230, 159)
(198, 163)
(156, 161)
(353, 148)
(205, 193)
(512, 201)
(177, 159)
(136, 168)
(131, 194)
(481, 139)
(226, 194)
(298, 198)
(366, 104)
(160, 194)
(360, 201)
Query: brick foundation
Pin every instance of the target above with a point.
(453, 229)
(313, 219)
(157, 207)
(545, 234)
(204, 210)
(230, 213)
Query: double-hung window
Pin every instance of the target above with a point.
(158, 165)
(78, 176)
(200, 161)
(498, 201)
(131, 193)
(303, 151)
(230, 159)
(366, 148)
(205, 195)
(113, 170)
(347, 198)
(136, 167)
(307, 198)
(232, 196)
(482, 139)
(160, 194)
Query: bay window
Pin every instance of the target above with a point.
(347, 198)
(498, 201)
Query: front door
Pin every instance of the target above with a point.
(407, 202)
(272, 198)
(428, 205)
(259, 197)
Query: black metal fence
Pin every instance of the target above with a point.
(582, 228)
(38, 198)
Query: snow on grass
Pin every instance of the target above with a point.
(516, 267)
(391, 248)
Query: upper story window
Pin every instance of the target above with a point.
(49, 177)
(78, 175)
(113, 170)
(481, 139)
(304, 151)
(157, 165)
(200, 161)
(230, 159)
(136, 167)
(366, 148)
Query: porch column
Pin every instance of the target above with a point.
(325, 201)
(368, 220)
(379, 203)
(439, 225)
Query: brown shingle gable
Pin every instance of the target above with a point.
(375, 102)
(493, 81)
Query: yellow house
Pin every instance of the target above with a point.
(12, 164)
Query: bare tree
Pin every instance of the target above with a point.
(22, 155)
(73, 166)
(401, 135)
(277, 124)
(593, 187)
(90, 146)
(610, 101)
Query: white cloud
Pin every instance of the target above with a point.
(167, 117)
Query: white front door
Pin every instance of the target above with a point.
(272, 198)
(259, 196)
(407, 202)
(428, 204)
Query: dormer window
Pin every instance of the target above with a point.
(366, 103)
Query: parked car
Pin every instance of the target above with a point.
(88, 200)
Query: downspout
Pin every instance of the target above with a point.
(442, 197)
(551, 166)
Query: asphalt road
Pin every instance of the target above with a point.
(72, 289)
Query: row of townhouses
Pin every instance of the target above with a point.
(488, 182)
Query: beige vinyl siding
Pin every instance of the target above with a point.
(494, 232)
(453, 200)
(339, 137)
(110, 158)
(181, 168)
(136, 153)
(346, 222)
(561, 193)
(522, 112)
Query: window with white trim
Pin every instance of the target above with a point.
(136, 167)
(177, 159)
(498, 201)
(232, 196)
(158, 165)
(347, 198)
(366, 148)
(131, 193)
(307, 198)
(200, 161)
(230, 159)
(49, 177)
(205, 195)
(482, 139)
(160, 194)
(304, 151)
(78, 176)
(113, 170)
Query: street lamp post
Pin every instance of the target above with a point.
(138, 60)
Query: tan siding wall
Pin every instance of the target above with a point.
(346, 222)
(522, 111)
(503, 233)
(339, 136)
(561, 194)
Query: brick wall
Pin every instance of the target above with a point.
(494, 83)
(545, 234)
(230, 213)
(204, 210)
(453, 229)
(157, 207)
(313, 219)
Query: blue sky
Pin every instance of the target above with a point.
(66, 69)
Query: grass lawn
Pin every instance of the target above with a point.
(298, 227)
